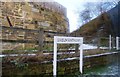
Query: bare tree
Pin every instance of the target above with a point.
(85, 15)
(93, 9)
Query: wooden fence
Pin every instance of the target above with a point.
(38, 36)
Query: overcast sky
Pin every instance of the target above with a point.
(71, 6)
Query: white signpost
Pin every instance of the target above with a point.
(117, 43)
(110, 42)
(67, 40)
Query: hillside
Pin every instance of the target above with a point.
(100, 25)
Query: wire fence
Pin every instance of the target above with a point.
(22, 39)
(19, 39)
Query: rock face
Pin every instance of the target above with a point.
(50, 16)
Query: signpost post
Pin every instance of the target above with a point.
(67, 40)
(110, 42)
(117, 43)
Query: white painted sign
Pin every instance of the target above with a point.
(67, 40)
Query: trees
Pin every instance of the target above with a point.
(93, 9)
(85, 16)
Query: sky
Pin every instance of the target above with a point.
(72, 6)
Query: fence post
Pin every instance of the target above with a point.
(67, 34)
(113, 42)
(98, 42)
(117, 43)
(1, 58)
(25, 37)
(110, 38)
(76, 48)
(41, 40)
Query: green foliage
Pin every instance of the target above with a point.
(48, 47)
(8, 51)
(104, 41)
(19, 64)
(28, 50)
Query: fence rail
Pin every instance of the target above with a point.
(37, 36)
(23, 41)
(40, 40)
(30, 30)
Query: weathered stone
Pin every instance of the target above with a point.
(34, 15)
